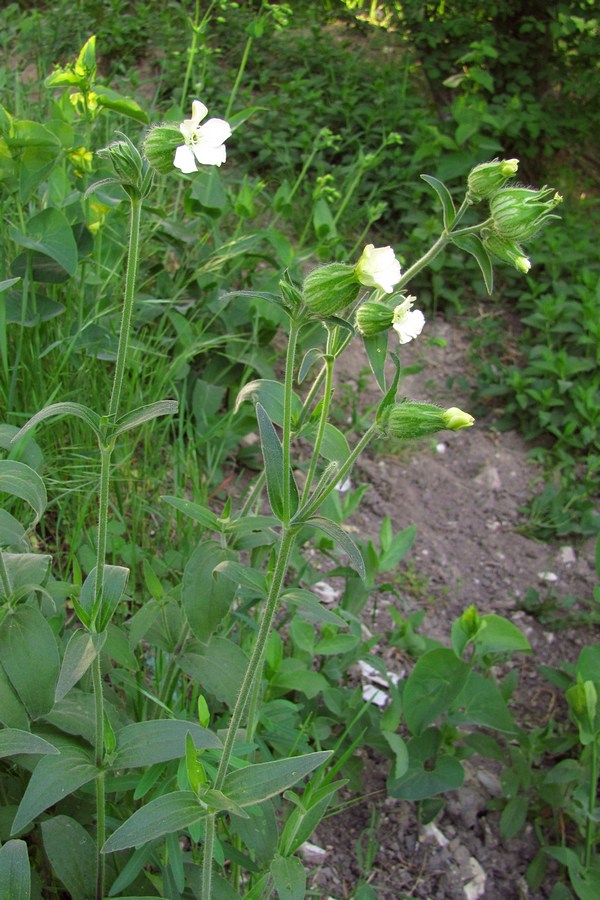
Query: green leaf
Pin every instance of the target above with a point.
(8, 283)
(397, 548)
(80, 652)
(206, 595)
(220, 668)
(113, 583)
(62, 409)
(144, 414)
(514, 816)
(312, 356)
(208, 189)
(243, 575)
(256, 783)
(334, 446)
(473, 245)
(309, 607)
(72, 854)
(435, 682)
(398, 747)
(498, 635)
(20, 480)
(30, 658)
(428, 773)
(376, 350)
(270, 395)
(12, 533)
(289, 878)
(12, 711)
(201, 514)
(15, 872)
(13, 741)
(273, 460)
(341, 538)
(445, 199)
(49, 233)
(481, 703)
(125, 106)
(156, 741)
(53, 779)
(164, 815)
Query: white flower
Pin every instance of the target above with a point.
(408, 322)
(203, 143)
(378, 267)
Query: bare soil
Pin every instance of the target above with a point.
(463, 491)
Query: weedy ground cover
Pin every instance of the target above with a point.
(187, 681)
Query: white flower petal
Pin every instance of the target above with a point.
(209, 156)
(214, 132)
(199, 111)
(184, 159)
(409, 325)
(379, 268)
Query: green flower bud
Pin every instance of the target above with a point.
(373, 318)
(330, 289)
(487, 178)
(412, 419)
(470, 621)
(518, 213)
(132, 171)
(290, 294)
(507, 251)
(160, 145)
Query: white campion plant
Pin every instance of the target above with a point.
(204, 144)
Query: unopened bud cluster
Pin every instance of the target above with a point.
(133, 172)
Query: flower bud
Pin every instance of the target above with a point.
(455, 418)
(160, 145)
(507, 251)
(470, 621)
(328, 290)
(378, 268)
(291, 295)
(518, 213)
(487, 178)
(132, 171)
(373, 318)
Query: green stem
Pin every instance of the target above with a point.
(191, 55)
(437, 247)
(5, 577)
(326, 402)
(103, 499)
(591, 824)
(252, 672)
(318, 497)
(286, 436)
(99, 760)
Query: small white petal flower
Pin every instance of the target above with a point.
(204, 144)
(408, 322)
(379, 268)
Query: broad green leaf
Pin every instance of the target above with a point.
(13, 741)
(15, 872)
(27, 571)
(270, 395)
(206, 595)
(514, 816)
(208, 189)
(114, 581)
(398, 747)
(144, 414)
(164, 815)
(498, 635)
(342, 539)
(274, 474)
(12, 711)
(8, 283)
(49, 233)
(243, 575)
(88, 415)
(80, 653)
(473, 245)
(29, 452)
(294, 676)
(195, 511)
(309, 607)
(156, 741)
(256, 783)
(259, 831)
(53, 779)
(445, 199)
(481, 703)
(30, 658)
(428, 773)
(20, 480)
(289, 877)
(219, 669)
(336, 643)
(435, 682)
(72, 855)
(32, 134)
(75, 714)
(12, 533)
(334, 446)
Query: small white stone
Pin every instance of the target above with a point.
(312, 853)
(433, 831)
(441, 447)
(326, 592)
(475, 888)
(547, 576)
(567, 556)
(371, 694)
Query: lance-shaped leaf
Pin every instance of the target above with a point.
(125, 106)
(164, 815)
(473, 245)
(390, 396)
(270, 395)
(113, 586)
(376, 350)
(72, 854)
(80, 653)
(30, 658)
(21, 481)
(53, 779)
(289, 877)
(273, 459)
(15, 872)
(144, 414)
(343, 539)
(253, 784)
(88, 415)
(13, 741)
(201, 514)
(157, 741)
(445, 199)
